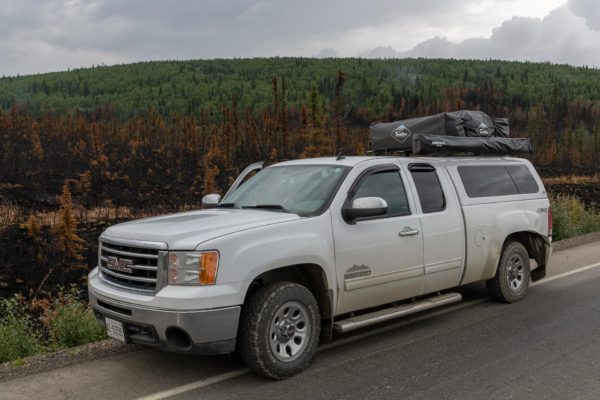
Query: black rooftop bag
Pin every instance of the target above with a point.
(501, 127)
(398, 135)
(476, 123)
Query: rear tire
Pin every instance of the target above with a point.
(512, 275)
(279, 330)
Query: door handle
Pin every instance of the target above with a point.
(408, 231)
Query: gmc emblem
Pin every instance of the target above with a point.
(119, 264)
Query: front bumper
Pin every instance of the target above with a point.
(211, 331)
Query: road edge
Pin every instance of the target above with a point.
(63, 358)
(576, 241)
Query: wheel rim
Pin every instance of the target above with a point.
(515, 273)
(289, 331)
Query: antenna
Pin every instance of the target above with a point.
(340, 156)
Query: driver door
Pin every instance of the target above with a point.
(379, 259)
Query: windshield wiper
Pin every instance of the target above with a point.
(226, 205)
(269, 207)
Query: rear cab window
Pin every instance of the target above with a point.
(429, 189)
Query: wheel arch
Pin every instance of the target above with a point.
(537, 247)
(310, 275)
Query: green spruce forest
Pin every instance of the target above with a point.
(90, 147)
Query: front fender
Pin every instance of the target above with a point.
(247, 254)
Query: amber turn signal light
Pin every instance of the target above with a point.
(209, 264)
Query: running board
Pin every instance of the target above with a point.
(401, 310)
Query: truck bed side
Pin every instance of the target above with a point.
(489, 221)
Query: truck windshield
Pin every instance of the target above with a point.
(297, 189)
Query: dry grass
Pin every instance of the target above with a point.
(9, 214)
(572, 179)
(96, 214)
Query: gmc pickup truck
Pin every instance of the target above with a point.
(309, 247)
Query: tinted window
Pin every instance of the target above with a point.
(387, 185)
(523, 179)
(487, 180)
(429, 189)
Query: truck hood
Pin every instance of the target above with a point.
(185, 231)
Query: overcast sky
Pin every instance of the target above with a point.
(40, 36)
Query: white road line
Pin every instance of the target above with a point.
(195, 385)
(565, 274)
(340, 342)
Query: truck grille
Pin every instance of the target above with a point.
(130, 267)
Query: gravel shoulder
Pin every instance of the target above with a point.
(63, 358)
(576, 241)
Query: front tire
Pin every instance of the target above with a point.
(279, 330)
(512, 276)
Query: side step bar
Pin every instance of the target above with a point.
(387, 314)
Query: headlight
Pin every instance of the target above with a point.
(193, 268)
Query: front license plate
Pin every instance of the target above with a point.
(114, 329)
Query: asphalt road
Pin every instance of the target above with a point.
(545, 347)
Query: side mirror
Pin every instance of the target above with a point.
(211, 200)
(366, 207)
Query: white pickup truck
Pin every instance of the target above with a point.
(309, 247)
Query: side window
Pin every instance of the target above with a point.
(497, 180)
(388, 185)
(487, 180)
(429, 189)
(523, 179)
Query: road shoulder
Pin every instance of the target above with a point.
(63, 358)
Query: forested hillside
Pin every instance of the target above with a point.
(373, 88)
(145, 129)
(88, 147)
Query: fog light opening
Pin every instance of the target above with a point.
(178, 338)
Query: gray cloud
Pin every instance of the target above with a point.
(587, 9)
(560, 37)
(327, 52)
(38, 36)
(381, 52)
(55, 34)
